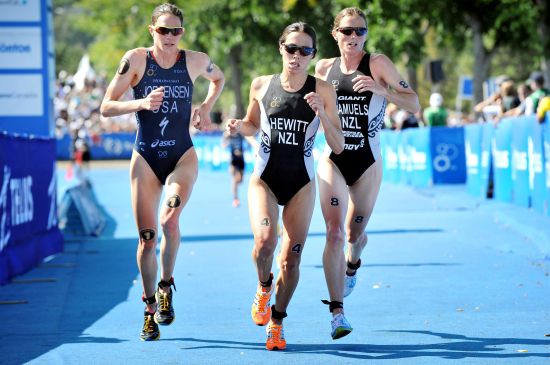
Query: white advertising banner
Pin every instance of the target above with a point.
(20, 48)
(21, 95)
(20, 10)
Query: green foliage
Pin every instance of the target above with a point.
(250, 29)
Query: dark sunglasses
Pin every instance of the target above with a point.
(304, 51)
(348, 30)
(165, 30)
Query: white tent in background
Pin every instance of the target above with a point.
(85, 71)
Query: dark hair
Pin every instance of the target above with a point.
(348, 12)
(166, 9)
(299, 27)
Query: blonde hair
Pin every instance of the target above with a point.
(348, 12)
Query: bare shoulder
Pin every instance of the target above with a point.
(132, 62)
(259, 86)
(196, 57)
(136, 54)
(379, 60)
(261, 81)
(323, 66)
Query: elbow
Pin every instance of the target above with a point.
(104, 111)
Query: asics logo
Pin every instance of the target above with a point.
(166, 143)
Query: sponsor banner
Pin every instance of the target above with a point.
(502, 160)
(419, 157)
(448, 156)
(21, 95)
(20, 48)
(20, 10)
(390, 159)
(520, 163)
(28, 208)
(537, 175)
(209, 149)
(546, 163)
(110, 146)
(472, 147)
(486, 164)
(405, 163)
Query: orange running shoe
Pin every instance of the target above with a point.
(261, 310)
(275, 337)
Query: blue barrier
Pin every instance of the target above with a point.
(448, 155)
(519, 165)
(405, 167)
(390, 167)
(110, 146)
(501, 151)
(472, 148)
(537, 175)
(486, 171)
(28, 205)
(546, 156)
(419, 157)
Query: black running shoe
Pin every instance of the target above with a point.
(165, 314)
(150, 331)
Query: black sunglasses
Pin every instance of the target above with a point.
(348, 30)
(304, 51)
(165, 30)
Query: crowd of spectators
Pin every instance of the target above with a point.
(509, 100)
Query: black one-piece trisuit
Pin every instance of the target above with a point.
(361, 117)
(288, 127)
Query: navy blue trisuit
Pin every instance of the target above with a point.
(361, 117)
(288, 128)
(163, 135)
(236, 144)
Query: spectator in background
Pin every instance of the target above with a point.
(509, 96)
(490, 108)
(237, 164)
(524, 90)
(405, 119)
(536, 81)
(436, 114)
(543, 108)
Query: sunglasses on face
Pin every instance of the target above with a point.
(304, 51)
(165, 30)
(349, 30)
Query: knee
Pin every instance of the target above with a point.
(290, 264)
(264, 246)
(335, 236)
(147, 240)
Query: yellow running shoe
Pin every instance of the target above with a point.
(261, 310)
(275, 337)
(150, 331)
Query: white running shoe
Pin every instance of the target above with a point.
(340, 326)
(349, 284)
